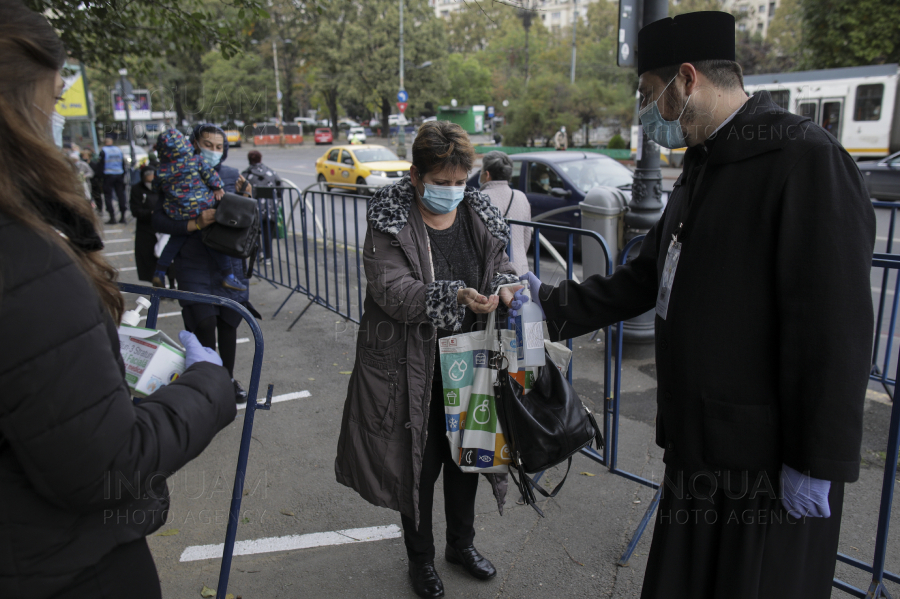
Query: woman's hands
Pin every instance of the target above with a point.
(476, 302)
(207, 217)
(507, 294)
(243, 187)
(195, 352)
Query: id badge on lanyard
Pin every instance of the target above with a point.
(668, 277)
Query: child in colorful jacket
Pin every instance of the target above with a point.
(188, 186)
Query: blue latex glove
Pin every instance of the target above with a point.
(195, 352)
(519, 298)
(802, 495)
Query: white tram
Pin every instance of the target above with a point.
(860, 106)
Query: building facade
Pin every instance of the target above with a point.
(555, 15)
(753, 16)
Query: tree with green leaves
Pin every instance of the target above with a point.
(236, 89)
(469, 80)
(371, 55)
(836, 33)
(108, 34)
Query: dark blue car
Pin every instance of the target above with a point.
(553, 180)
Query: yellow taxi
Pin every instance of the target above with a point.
(369, 165)
(233, 134)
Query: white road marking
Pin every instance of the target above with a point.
(886, 291)
(279, 398)
(108, 241)
(288, 543)
(116, 231)
(119, 253)
(127, 268)
(239, 341)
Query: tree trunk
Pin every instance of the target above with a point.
(331, 99)
(385, 113)
(179, 107)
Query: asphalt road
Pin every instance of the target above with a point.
(290, 487)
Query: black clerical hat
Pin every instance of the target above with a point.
(691, 37)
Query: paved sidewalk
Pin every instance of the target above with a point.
(291, 488)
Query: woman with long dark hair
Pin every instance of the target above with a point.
(82, 468)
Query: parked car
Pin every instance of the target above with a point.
(359, 132)
(140, 155)
(370, 165)
(324, 135)
(554, 180)
(882, 177)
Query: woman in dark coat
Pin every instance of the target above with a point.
(261, 176)
(195, 268)
(69, 431)
(431, 265)
(144, 200)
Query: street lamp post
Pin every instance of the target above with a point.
(401, 134)
(574, 31)
(646, 205)
(126, 97)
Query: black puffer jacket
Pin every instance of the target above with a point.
(72, 443)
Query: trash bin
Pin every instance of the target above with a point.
(602, 210)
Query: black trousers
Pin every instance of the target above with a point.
(459, 490)
(206, 330)
(128, 571)
(740, 544)
(114, 184)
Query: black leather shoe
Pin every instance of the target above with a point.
(475, 564)
(240, 396)
(112, 221)
(425, 580)
(123, 220)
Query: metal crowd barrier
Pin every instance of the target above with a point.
(876, 588)
(883, 355)
(314, 241)
(155, 293)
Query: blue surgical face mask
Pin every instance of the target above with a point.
(213, 158)
(442, 199)
(545, 181)
(668, 134)
(56, 125)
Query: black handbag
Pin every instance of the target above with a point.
(544, 427)
(236, 230)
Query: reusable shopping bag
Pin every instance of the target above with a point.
(470, 363)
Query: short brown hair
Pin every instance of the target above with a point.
(724, 74)
(254, 157)
(440, 144)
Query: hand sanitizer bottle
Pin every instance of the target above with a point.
(530, 333)
(133, 317)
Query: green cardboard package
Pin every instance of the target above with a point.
(152, 359)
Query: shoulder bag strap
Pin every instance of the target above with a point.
(512, 194)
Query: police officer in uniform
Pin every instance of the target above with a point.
(112, 165)
(759, 274)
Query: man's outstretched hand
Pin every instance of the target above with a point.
(519, 298)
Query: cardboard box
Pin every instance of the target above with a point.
(152, 359)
